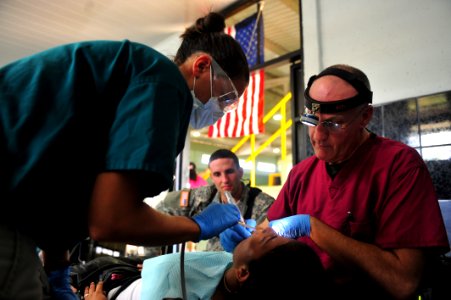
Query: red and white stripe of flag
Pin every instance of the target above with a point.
(246, 119)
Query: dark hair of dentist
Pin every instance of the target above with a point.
(89, 129)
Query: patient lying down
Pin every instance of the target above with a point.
(263, 266)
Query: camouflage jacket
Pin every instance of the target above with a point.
(201, 197)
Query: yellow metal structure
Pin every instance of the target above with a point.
(280, 107)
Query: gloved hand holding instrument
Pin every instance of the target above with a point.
(216, 218)
(234, 235)
(230, 237)
(292, 227)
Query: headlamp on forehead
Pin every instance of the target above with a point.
(308, 118)
(223, 88)
(364, 95)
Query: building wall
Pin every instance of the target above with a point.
(404, 46)
(415, 127)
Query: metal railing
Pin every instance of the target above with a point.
(285, 124)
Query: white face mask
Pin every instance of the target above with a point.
(203, 115)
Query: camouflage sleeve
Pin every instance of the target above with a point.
(171, 204)
(261, 205)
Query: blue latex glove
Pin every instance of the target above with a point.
(216, 218)
(59, 281)
(234, 235)
(292, 227)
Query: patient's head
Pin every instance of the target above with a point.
(274, 267)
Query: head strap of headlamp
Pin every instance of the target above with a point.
(364, 95)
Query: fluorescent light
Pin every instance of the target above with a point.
(195, 133)
(245, 165)
(266, 167)
(205, 158)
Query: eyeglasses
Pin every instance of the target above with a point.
(313, 121)
(223, 88)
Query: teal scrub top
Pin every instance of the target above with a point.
(74, 111)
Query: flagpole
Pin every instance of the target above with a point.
(260, 6)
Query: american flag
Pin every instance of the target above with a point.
(247, 118)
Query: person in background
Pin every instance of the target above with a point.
(89, 130)
(365, 203)
(227, 175)
(195, 180)
(261, 267)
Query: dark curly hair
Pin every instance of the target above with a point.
(290, 271)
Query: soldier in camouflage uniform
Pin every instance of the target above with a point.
(226, 173)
